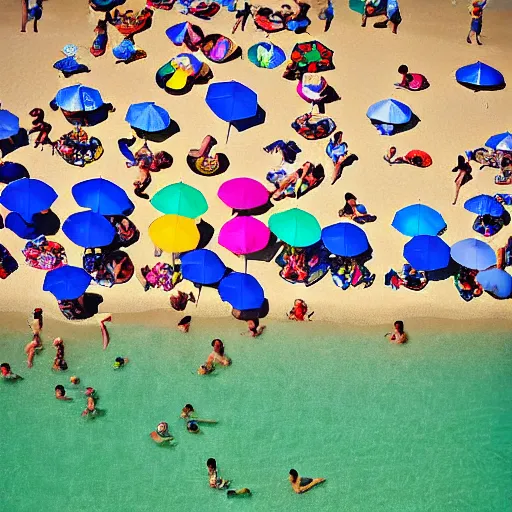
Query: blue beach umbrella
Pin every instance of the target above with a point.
(426, 252)
(500, 141)
(345, 239)
(479, 75)
(88, 229)
(27, 196)
(473, 254)
(266, 55)
(232, 101)
(418, 219)
(496, 281)
(102, 196)
(389, 111)
(78, 98)
(202, 266)
(242, 291)
(9, 124)
(484, 205)
(67, 282)
(26, 230)
(148, 117)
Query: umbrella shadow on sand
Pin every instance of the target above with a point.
(13, 143)
(478, 88)
(206, 232)
(401, 128)
(161, 135)
(268, 253)
(244, 124)
(253, 212)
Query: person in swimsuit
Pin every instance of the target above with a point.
(187, 413)
(7, 374)
(179, 302)
(299, 311)
(254, 328)
(90, 409)
(300, 484)
(217, 355)
(214, 480)
(414, 157)
(184, 324)
(36, 324)
(74, 380)
(60, 393)
(162, 434)
(59, 363)
(352, 211)
(120, 362)
(476, 9)
(30, 350)
(31, 11)
(463, 171)
(398, 336)
(337, 151)
(411, 81)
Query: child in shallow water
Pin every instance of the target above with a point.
(59, 363)
(7, 374)
(120, 362)
(161, 434)
(215, 481)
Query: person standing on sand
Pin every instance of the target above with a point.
(31, 10)
(476, 9)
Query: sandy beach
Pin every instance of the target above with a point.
(431, 41)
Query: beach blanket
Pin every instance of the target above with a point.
(76, 148)
(346, 273)
(108, 269)
(8, 264)
(44, 254)
(466, 284)
(129, 22)
(408, 278)
(218, 48)
(162, 275)
(314, 126)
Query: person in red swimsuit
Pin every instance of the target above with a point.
(414, 157)
(411, 81)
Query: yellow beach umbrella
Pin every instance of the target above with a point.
(174, 233)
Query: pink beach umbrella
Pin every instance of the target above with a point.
(244, 235)
(243, 194)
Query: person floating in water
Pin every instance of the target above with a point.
(215, 481)
(184, 324)
(59, 363)
(476, 9)
(301, 484)
(120, 362)
(162, 435)
(188, 414)
(60, 393)
(254, 328)
(398, 336)
(7, 374)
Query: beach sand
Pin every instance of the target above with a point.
(431, 40)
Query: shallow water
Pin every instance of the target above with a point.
(420, 427)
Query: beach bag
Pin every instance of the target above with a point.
(314, 126)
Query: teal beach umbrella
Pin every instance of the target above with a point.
(180, 199)
(295, 227)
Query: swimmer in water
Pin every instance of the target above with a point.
(120, 362)
(217, 355)
(161, 434)
(205, 369)
(215, 481)
(398, 336)
(188, 414)
(254, 328)
(184, 324)
(36, 325)
(74, 380)
(7, 374)
(302, 485)
(59, 363)
(60, 393)
(30, 350)
(90, 410)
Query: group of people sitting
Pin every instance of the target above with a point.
(295, 184)
(348, 272)
(409, 278)
(303, 265)
(496, 159)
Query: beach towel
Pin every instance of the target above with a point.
(204, 10)
(44, 254)
(164, 5)
(76, 148)
(218, 48)
(130, 23)
(314, 126)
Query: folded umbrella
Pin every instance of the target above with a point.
(496, 281)
(500, 141)
(295, 227)
(484, 205)
(244, 235)
(345, 239)
(389, 111)
(418, 219)
(88, 229)
(102, 196)
(243, 193)
(242, 291)
(180, 199)
(426, 252)
(202, 266)
(148, 117)
(9, 124)
(27, 196)
(67, 282)
(473, 254)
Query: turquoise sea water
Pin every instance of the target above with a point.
(421, 427)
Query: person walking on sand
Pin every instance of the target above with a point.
(463, 171)
(476, 9)
(31, 10)
(301, 484)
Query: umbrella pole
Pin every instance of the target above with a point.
(173, 259)
(229, 129)
(245, 263)
(198, 296)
